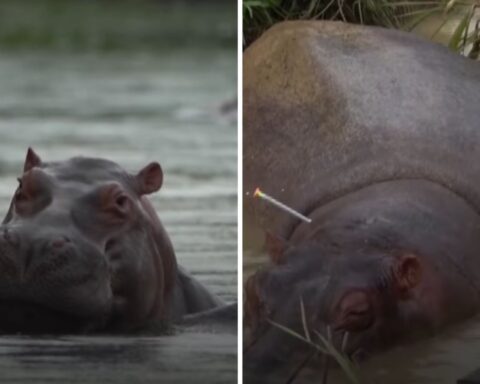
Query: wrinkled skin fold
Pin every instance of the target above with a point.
(353, 127)
(83, 250)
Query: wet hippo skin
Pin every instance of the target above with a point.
(374, 134)
(83, 250)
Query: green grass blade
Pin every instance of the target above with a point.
(462, 28)
(304, 321)
(345, 363)
(297, 335)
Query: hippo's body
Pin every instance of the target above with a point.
(375, 135)
(82, 250)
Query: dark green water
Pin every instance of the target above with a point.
(112, 25)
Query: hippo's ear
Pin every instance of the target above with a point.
(407, 272)
(275, 247)
(150, 178)
(31, 160)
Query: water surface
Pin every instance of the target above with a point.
(133, 108)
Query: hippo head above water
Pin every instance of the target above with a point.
(81, 249)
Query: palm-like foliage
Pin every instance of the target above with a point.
(404, 14)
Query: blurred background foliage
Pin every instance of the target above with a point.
(455, 23)
(106, 25)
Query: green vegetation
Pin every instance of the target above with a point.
(106, 25)
(452, 22)
(321, 346)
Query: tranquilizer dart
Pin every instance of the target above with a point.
(283, 207)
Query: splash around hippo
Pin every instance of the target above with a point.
(353, 127)
(82, 250)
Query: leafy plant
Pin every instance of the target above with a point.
(401, 14)
(465, 39)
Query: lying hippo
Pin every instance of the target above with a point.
(375, 135)
(82, 250)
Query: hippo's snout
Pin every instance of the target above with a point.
(26, 258)
(51, 278)
(9, 249)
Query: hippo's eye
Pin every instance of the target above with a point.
(115, 203)
(32, 194)
(353, 312)
(122, 205)
(121, 201)
(20, 194)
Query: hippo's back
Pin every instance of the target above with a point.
(331, 107)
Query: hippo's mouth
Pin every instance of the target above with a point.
(31, 318)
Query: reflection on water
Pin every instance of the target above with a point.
(133, 109)
(127, 360)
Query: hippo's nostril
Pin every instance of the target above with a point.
(109, 245)
(10, 237)
(359, 355)
(112, 249)
(59, 242)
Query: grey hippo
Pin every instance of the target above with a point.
(375, 135)
(83, 250)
